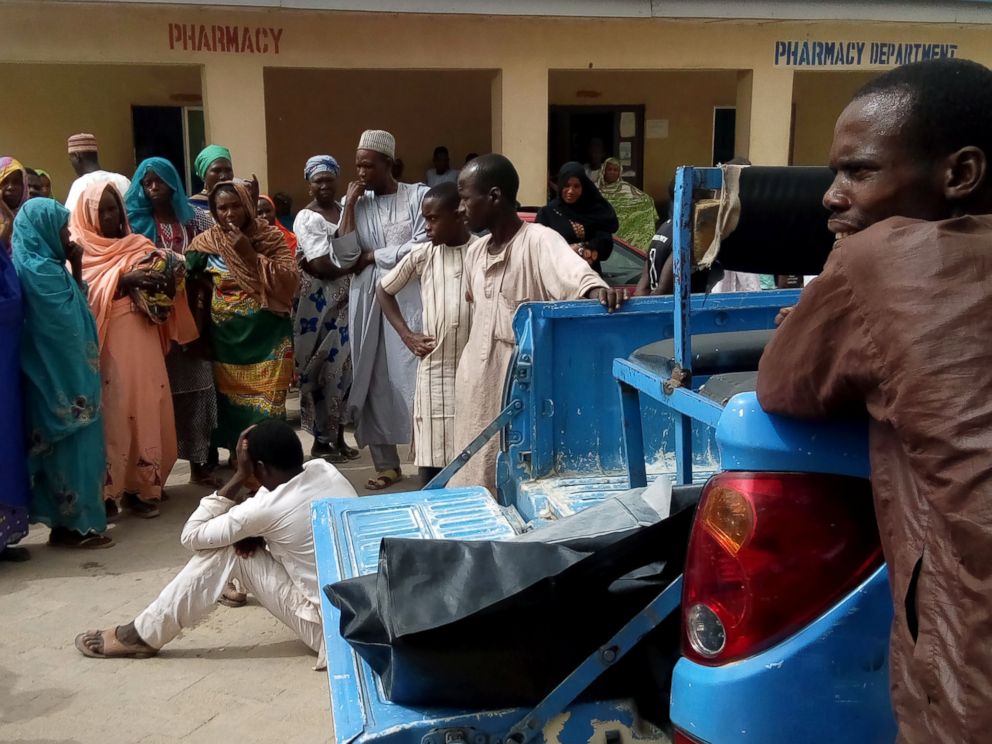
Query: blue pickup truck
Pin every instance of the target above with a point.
(784, 599)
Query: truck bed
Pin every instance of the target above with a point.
(347, 533)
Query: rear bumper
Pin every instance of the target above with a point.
(828, 683)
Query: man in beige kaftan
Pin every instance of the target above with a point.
(517, 262)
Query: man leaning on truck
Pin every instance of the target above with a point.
(899, 326)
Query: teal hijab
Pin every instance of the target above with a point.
(59, 351)
(139, 209)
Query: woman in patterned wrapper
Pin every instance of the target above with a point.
(254, 277)
(320, 325)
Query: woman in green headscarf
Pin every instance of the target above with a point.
(59, 359)
(635, 209)
(211, 166)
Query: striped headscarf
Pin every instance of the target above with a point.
(321, 164)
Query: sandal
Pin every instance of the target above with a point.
(12, 554)
(113, 647)
(113, 511)
(232, 597)
(335, 457)
(61, 537)
(210, 481)
(203, 475)
(350, 453)
(140, 508)
(319, 449)
(384, 479)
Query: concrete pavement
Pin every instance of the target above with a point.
(238, 676)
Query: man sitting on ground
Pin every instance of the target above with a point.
(265, 540)
(897, 326)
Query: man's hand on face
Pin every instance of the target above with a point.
(246, 547)
(355, 190)
(612, 299)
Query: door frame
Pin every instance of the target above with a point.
(187, 152)
(637, 156)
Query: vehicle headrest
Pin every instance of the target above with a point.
(782, 227)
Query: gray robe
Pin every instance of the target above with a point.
(385, 371)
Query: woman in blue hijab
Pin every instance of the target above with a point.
(14, 496)
(157, 208)
(59, 361)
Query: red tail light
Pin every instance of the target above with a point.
(769, 552)
(683, 738)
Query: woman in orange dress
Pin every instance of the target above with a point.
(137, 296)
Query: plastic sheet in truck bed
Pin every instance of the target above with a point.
(347, 533)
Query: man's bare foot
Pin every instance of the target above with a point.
(122, 642)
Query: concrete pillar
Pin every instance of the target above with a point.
(234, 110)
(520, 126)
(764, 115)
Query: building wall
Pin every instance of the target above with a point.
(819, 97)
(311, 112)
(522, 49)
(48, 103)
(684, 99)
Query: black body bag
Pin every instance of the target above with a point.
(485, 624)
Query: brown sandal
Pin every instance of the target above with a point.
(232, 597)
(65, 538)
(384, 479)
(113, 647)
(139, 508)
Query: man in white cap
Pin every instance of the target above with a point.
(384, 217)
(85, 161)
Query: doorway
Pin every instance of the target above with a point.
(724, 133)
(571, 129)
(176, 133)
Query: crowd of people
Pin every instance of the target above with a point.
(159, 326)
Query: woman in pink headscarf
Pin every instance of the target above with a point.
(137, 295)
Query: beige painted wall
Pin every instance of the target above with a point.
(311, 112)
(819, 97)
(685, 99)
(523, 49)
(47, 103)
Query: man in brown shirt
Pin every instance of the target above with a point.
(899, 326)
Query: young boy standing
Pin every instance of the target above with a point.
(447, 319)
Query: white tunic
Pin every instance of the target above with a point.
(536, 265)
(385, 371)
(122, 183)
(447, 319)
